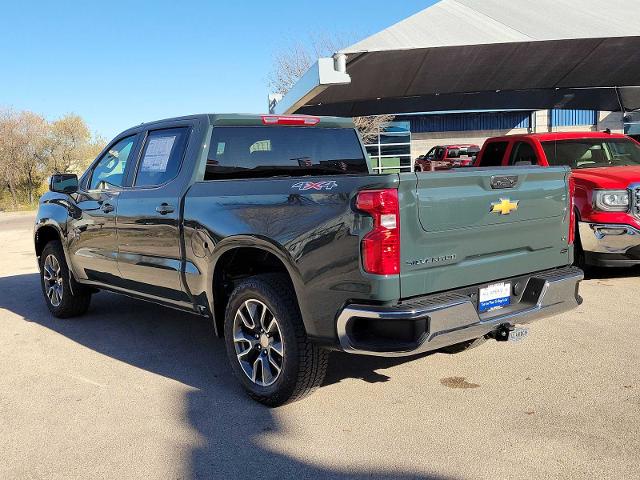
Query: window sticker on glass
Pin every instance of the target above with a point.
(157, 154)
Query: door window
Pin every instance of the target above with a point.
(523, 154)
(108, 173)
(432, 153)
(162, 156)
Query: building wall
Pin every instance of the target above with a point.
(611, 120)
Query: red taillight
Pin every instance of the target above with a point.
(572, 210)
(381, 246)
(299, 120)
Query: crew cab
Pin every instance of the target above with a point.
(275, 229)
(444, 157)
(606, 172)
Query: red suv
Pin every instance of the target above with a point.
(606, 172)
(445, 157)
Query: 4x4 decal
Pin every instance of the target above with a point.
(318, 186)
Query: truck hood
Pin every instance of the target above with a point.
(608, 177)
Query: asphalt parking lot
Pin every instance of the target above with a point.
(133, 390)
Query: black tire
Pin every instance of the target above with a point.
(303, 364)
(579, 258)
(464, 346)
(72, 303)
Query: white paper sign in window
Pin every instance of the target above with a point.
(157, 154)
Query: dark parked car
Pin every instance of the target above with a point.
(274, 228)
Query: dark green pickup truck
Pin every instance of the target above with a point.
(275, 228)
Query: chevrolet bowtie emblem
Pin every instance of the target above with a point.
(504, 206)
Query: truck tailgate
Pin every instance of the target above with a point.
(462, 227)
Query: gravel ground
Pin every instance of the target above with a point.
(133, 390)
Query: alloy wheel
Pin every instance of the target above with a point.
(258, 342)
(52, 275)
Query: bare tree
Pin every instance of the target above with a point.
(9, 149)
(31, 148)
(69, 144)
(291, 63)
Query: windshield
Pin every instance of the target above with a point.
(592, 152)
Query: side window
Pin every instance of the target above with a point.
(493, 154)
(161, 157)
(453, 153)
(432, 153)
(523, 154)
(439, 154)
(108, 173)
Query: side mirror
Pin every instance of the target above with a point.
(63, 183)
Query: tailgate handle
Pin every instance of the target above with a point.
(500, 182)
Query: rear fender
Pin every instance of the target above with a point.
(261, 243)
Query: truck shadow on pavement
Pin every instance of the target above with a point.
(601, 273)
(233, 428)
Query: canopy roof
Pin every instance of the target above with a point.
(485, 54)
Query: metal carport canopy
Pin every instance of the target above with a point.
(484, 54)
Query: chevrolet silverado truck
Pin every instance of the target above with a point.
(606, 172)
(275, 229)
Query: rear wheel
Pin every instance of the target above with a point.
(54, 278)
(266, 342)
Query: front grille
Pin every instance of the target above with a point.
(635, 196)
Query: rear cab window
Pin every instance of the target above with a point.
(523, 153)
(258, 151)
(493, 154)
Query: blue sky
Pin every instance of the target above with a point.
(120, 63)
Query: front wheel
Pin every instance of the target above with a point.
(266, 342)
(54, 278)
(579, 257)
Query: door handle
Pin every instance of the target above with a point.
(164, 208)
(107, 208)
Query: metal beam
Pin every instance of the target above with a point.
(324, 73)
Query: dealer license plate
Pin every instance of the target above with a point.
(494, 296)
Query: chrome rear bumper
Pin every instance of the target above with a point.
(446, 319)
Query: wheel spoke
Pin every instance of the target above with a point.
(48, 272)
(267, 376)
(244, 320)
(254, 373)
(243, 353)
(240, 336)
(262, 315)
(273, 326)
(276, 346)
(274, 364)
(251, 311)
